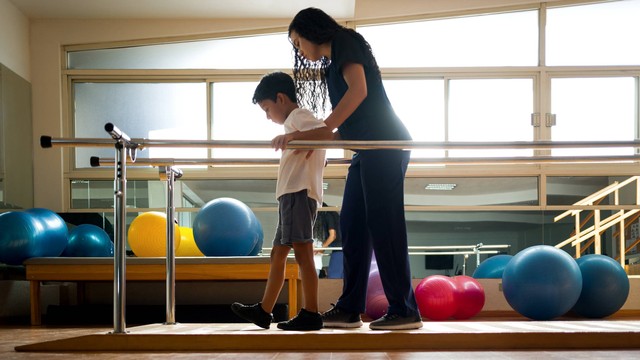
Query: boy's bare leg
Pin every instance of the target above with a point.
(275, 282)
(304, 258)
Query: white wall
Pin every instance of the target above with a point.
(14, 40)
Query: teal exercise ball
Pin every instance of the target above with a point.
(31, 233)
(492, 268)
(605, 286)
(88, 240)
(225, 227)
(542, 282)
(57, 233)
(257, 249)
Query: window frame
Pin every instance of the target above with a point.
(540, 74)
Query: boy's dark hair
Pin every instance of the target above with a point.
(272, 84)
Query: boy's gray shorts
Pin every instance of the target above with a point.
(296, 215)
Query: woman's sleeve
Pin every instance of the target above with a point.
(347, 48)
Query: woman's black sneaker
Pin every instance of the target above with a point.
(338, 318)
(397, 322)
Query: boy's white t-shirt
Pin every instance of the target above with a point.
(296, 172)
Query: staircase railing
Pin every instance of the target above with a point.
(593, 233)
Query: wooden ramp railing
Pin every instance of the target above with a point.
(582, 238)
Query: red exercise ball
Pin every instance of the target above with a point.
(470, 297)
(436, 297)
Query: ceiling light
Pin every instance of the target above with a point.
(440, 187)
(325, 186)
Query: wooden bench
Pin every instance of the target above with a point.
(153, 269)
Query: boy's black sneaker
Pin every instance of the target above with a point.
(253, 313)
(304, 321)
(338, 318)
(396, 322)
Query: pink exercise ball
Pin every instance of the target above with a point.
(375, 284)
(377, 306)
(436, 297)
(470, 297)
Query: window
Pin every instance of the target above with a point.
(508, 39)
(490, 110)
(420, 105)
(471, 78)
(473, 191)
(142, 110)
(235, 117)
(594, 109)
(595, 34)
(231, 53)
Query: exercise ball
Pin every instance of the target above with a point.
(605, 286)
(436, 297)
(147, 235)
(257, 249)
(542, 282)
(470, 297)
(88, 240)
(57, 234)
(374, 284)
(492, 268)
(225, 227)
(376, 301)
(18, 234)
(26, 234)
(188, 245)
(376, 306)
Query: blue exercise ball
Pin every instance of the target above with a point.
(225, 227)
(87, 240)
(57, 234)
(492, 268)
(542, 282)
(605, 286)
(258, 248)
(26, 234)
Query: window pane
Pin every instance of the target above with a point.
(235, 53)
(420, 105)
(490, 110)
(253, 192)
(98, 194)
(172, 111)
(467, 41)
(596, 34)
(567, 190)
(235, 117)
(471, 191)
(505, 232)
(593, 109)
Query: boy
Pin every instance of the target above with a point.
(299, 191)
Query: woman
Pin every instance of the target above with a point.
(331, 59)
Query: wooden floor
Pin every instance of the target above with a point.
(493, 339)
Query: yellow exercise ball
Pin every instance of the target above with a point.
(188, 246)
(147, 235)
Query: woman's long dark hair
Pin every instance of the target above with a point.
(311, 85)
